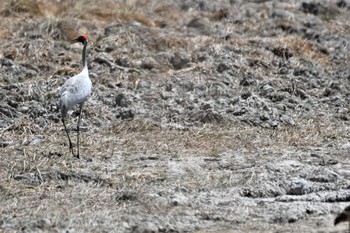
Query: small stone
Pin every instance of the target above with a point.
(149, 63)
(166, 95)
(180, 61)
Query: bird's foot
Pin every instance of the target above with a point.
(75, 155)
(72, 151)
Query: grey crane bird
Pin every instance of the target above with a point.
(76, 91)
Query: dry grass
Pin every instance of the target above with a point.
(140, 135)
(61, 17)
(137, 167)
(106, 11)
(304, 49)
(171, 13)
(211, 140)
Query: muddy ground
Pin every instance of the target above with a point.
(205, 116)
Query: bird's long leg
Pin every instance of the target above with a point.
(70, 142)
(78, 128)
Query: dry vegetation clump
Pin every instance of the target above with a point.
(304, 49)
(105, 11)
(58, 20)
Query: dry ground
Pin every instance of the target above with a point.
(206, 116)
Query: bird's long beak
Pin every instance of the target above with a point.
(74, 41)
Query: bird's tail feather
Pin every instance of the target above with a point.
(63, 103)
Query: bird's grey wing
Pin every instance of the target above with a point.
(76, 89)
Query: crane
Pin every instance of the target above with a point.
(76, 91)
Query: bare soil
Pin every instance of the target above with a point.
(205, 116)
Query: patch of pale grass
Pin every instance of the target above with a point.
(149, 169)
(303, 48)
(142, 136)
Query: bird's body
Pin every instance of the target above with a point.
(76, 91)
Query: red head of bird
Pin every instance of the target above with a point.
(82, 39)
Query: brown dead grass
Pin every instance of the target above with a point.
(171, 13)
(299, 47)
(303, 48)
(219, 15)
(104, 12)
(62, 20)
(140, 135)
(169, 42)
